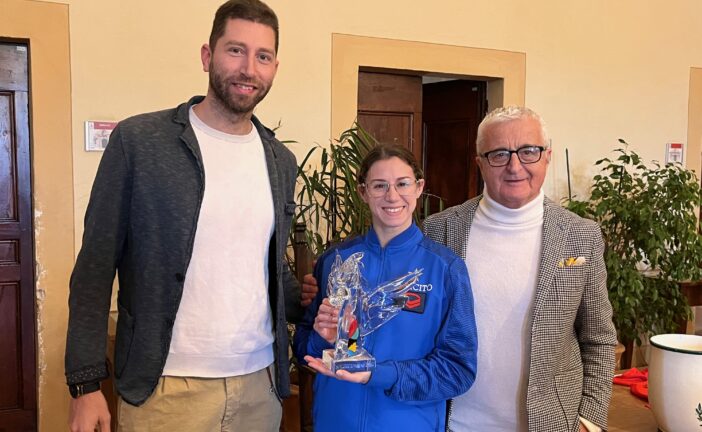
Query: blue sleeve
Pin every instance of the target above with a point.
(307, 341)
(449, 370)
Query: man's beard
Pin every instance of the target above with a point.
(236, 104)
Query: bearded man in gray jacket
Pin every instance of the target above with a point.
(544, 320)
(191, 207)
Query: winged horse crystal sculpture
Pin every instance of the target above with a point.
(361, 311)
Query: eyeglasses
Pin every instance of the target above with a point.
(527, 155)
(380, 188)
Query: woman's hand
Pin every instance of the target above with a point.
(354, 377)
(327, 321)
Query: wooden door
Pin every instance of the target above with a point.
(390, 109)
(452, 111)
(17, 321)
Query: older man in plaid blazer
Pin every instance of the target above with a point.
(545, 329)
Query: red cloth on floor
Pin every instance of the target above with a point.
(640, 390)
(637, 380)
(632, 376)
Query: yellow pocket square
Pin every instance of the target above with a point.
(571, 262)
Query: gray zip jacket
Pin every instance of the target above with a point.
(140, 223)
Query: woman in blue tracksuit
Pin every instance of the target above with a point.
(427, 353)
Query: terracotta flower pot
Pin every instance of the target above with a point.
(675, 382)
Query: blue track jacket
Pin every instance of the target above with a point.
(424, 356)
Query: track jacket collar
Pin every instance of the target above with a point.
(411, 235)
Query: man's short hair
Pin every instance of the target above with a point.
(249, 10)
(506, 114)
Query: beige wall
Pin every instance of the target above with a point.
(597, 70)
(46, 27)
(694, 129)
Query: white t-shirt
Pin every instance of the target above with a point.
(224, 326)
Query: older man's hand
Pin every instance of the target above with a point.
(309, 289)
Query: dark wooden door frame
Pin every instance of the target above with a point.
(452, 110)
(17, 234)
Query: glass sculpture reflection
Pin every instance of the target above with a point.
(361, 311)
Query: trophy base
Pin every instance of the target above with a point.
(359, 363)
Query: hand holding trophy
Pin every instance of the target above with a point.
(360, 312)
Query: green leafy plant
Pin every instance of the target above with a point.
(647, 216)
(328, 202)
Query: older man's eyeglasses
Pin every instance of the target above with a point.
(380, 188)
(526, 155)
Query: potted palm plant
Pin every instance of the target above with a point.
(329, 205)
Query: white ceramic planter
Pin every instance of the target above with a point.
(675, 382)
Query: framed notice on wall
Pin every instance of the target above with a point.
(97, 134)
(674, 153)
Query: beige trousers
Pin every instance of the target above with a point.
(241, 403)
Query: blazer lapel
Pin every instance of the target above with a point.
(553, 243)
(278, 202)
(458, 227)
(273, 178)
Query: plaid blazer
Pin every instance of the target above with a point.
(572, 337)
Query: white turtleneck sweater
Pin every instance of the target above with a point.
(503, 254)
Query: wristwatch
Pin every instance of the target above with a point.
(78, 390)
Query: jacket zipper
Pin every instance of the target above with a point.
(449, 408)
(365, 393)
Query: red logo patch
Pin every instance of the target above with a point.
(416, 301)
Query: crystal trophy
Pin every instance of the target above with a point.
(361, 311)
